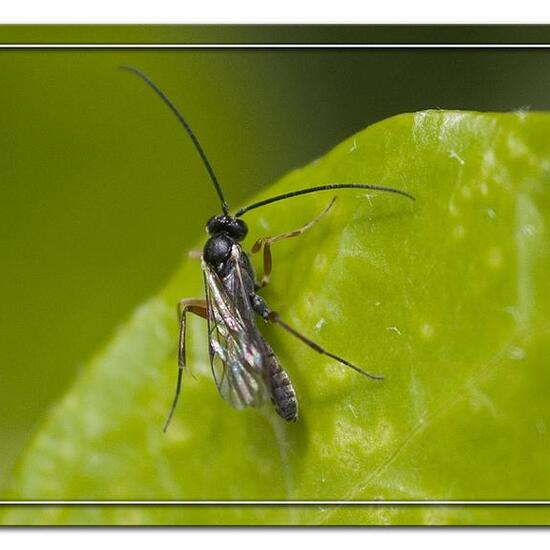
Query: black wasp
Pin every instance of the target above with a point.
(246, 370)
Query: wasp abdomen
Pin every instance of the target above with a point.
(283, 395)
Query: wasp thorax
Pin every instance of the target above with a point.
(234, 227)
(217, 249)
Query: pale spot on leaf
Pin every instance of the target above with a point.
(427, 331)
(459, 232)
(494, 257)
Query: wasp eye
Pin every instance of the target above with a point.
(216, 224)
(239, 229)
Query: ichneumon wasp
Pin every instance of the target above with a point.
(245, 368)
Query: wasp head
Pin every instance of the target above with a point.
(233, 227)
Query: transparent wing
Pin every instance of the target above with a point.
(237, 350)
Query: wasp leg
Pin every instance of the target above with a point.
(195, 254)
(266, 243)
(261, 308)
(198, 307)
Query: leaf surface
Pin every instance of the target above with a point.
(446, 297)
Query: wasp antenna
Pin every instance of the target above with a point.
(185, 124)
(274, 318)
(328, 187)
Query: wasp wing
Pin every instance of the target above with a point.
(237, 349)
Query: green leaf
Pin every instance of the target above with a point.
(446, 297)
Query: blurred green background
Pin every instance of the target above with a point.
(102, 193)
